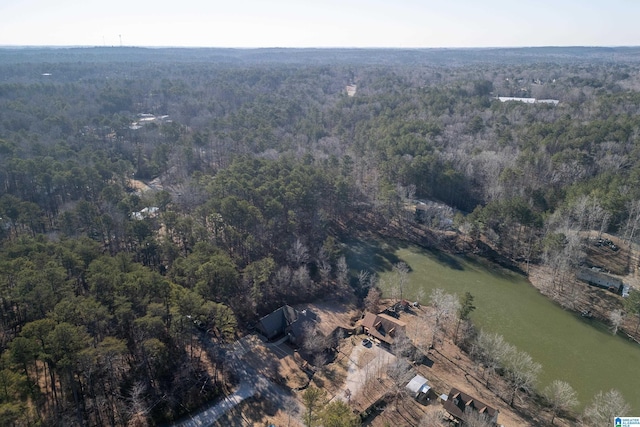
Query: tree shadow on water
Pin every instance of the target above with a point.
(501, 268)
(373, 255)
(377, 255)
(447, 260)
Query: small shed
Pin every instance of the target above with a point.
(419, 388)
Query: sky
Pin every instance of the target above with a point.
(327, 23)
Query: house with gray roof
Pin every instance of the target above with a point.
(277, 323)
(594, 277)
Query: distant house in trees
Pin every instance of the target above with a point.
(528, 100)
(516, 99)
(382, 327)
(601, 280)
(434, 213)
(351, 90)
(148, 212)
(146, 118)
(459, 404)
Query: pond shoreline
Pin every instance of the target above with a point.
(567, 345)
(578, 297)
(573, 296)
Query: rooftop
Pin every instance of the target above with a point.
(382, 326)
(458, 401)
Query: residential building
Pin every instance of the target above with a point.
(459, 405)
(383, 327)
(277, 323)
(601, 280)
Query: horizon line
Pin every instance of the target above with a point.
(16, 46)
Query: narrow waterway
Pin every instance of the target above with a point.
(567, 346)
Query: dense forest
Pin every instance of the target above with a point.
(157, 201)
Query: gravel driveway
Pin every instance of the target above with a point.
(365, 363)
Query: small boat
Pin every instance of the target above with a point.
(587, 314)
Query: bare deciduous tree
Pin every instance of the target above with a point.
(473, 418)
(325, 272)
(466, 308)
(372, 300)
(420, 295)
(520, 371)
(616, 317)
(559, 397)
(363, 279)
(374, 281)
(633, 220)
(312, 340)
(563, 254)
(298, 254)
(342, 274)
(402, 346)
(491, 349)
(320, 360)
(301, 279)
(632, 307)
(445, 307)
(421, 333)
(282, 277)
(402, 276)
(400, 373)
(587, 213)
(394, 292)
(138, 408)
(604, 407)
(435, 418)
(324, 266)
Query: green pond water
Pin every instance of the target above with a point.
(568, 347)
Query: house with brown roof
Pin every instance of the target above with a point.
(382, 327)
(459, 405)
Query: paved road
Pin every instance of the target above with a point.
(210, 415)
(252, 383)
